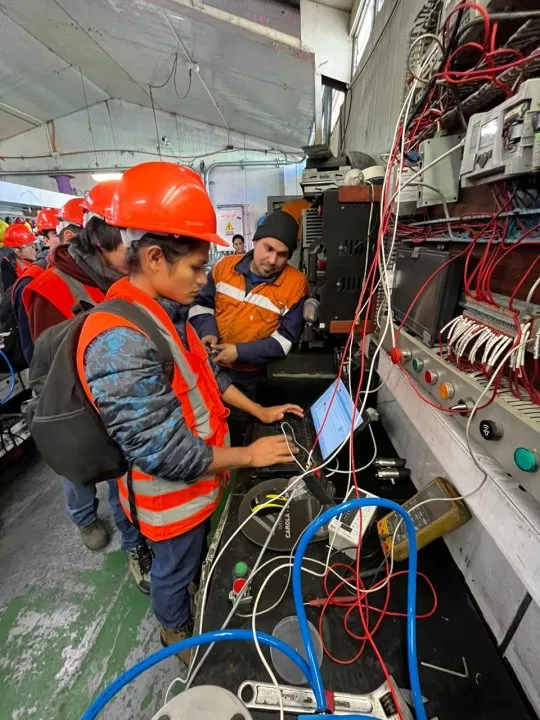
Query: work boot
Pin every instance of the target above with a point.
(168, 636)
(140, 562)
(95, 535)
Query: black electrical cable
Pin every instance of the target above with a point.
(448, 51)
(173, 68)
(502, 16)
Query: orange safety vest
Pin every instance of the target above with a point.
(33, 271)
(248, 317)
(62, 291)
(165, 509)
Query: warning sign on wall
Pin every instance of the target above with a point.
(230, 221)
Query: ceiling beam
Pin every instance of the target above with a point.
(241, 23)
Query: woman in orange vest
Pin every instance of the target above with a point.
(173, 431)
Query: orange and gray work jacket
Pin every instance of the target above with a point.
(262, 317)
(166, 429)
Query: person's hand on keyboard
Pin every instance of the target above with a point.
(276, 413)
(271, 450)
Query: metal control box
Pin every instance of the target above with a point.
(504, 142)
(442, 179)
(508, 429)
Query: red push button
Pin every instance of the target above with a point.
(431, 376)
(239, 585)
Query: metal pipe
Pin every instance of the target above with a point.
(241, 164)
(54, 171)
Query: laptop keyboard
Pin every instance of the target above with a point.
(300, 431)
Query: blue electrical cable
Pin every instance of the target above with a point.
(205, 639)
(307, 535)
(4, 400)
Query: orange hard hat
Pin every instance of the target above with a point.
(18, 235)
(162, 197)
(46, 220)
(72, 211)
(99, 198)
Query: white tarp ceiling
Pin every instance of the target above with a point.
(58, 56)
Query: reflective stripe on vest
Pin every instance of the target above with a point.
(21, 265)
(166, 509)
(250, 316)
(62, 291)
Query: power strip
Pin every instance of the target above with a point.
(344, 530)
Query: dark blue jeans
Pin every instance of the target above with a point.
(176, 563)
(248, 383)
(82, 505)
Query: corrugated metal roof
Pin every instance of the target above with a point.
(120, 47)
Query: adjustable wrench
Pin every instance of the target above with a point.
(378, 704)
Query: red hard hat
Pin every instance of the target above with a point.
(72, 211)
(46, 220)
(98, 200)
(18, 235)
(165, 198)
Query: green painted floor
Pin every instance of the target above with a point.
(70, 620)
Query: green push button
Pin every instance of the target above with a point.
(240, 569)
(417, 364)
(526, 460)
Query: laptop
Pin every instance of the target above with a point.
(335, 430)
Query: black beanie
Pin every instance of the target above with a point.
(280, 226)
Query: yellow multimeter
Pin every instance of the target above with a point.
(437, 517)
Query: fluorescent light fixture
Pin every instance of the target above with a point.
(99, 176)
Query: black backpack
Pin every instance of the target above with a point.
(67, 430)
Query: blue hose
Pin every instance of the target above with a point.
(205, 639)
(4, 400)
(307, 535)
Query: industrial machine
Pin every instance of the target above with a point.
(339, 237)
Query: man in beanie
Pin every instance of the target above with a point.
(251, 310)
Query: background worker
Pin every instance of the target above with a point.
(70, 219)
(21, 253)
(251, 310)
(46, 222)
(80, 274)
(172, 432)
(238, 244)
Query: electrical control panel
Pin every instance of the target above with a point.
(508, 428)
(504, 142)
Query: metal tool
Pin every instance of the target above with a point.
(378, 704)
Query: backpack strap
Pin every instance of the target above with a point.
(140, 318)
(83, 301)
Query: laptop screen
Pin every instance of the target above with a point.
(339, 420)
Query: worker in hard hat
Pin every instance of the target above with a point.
(46, 222)
(79, 275)
(70, 219)
(251, 310)
(21, 253)
(172, 432)
(3, 226)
